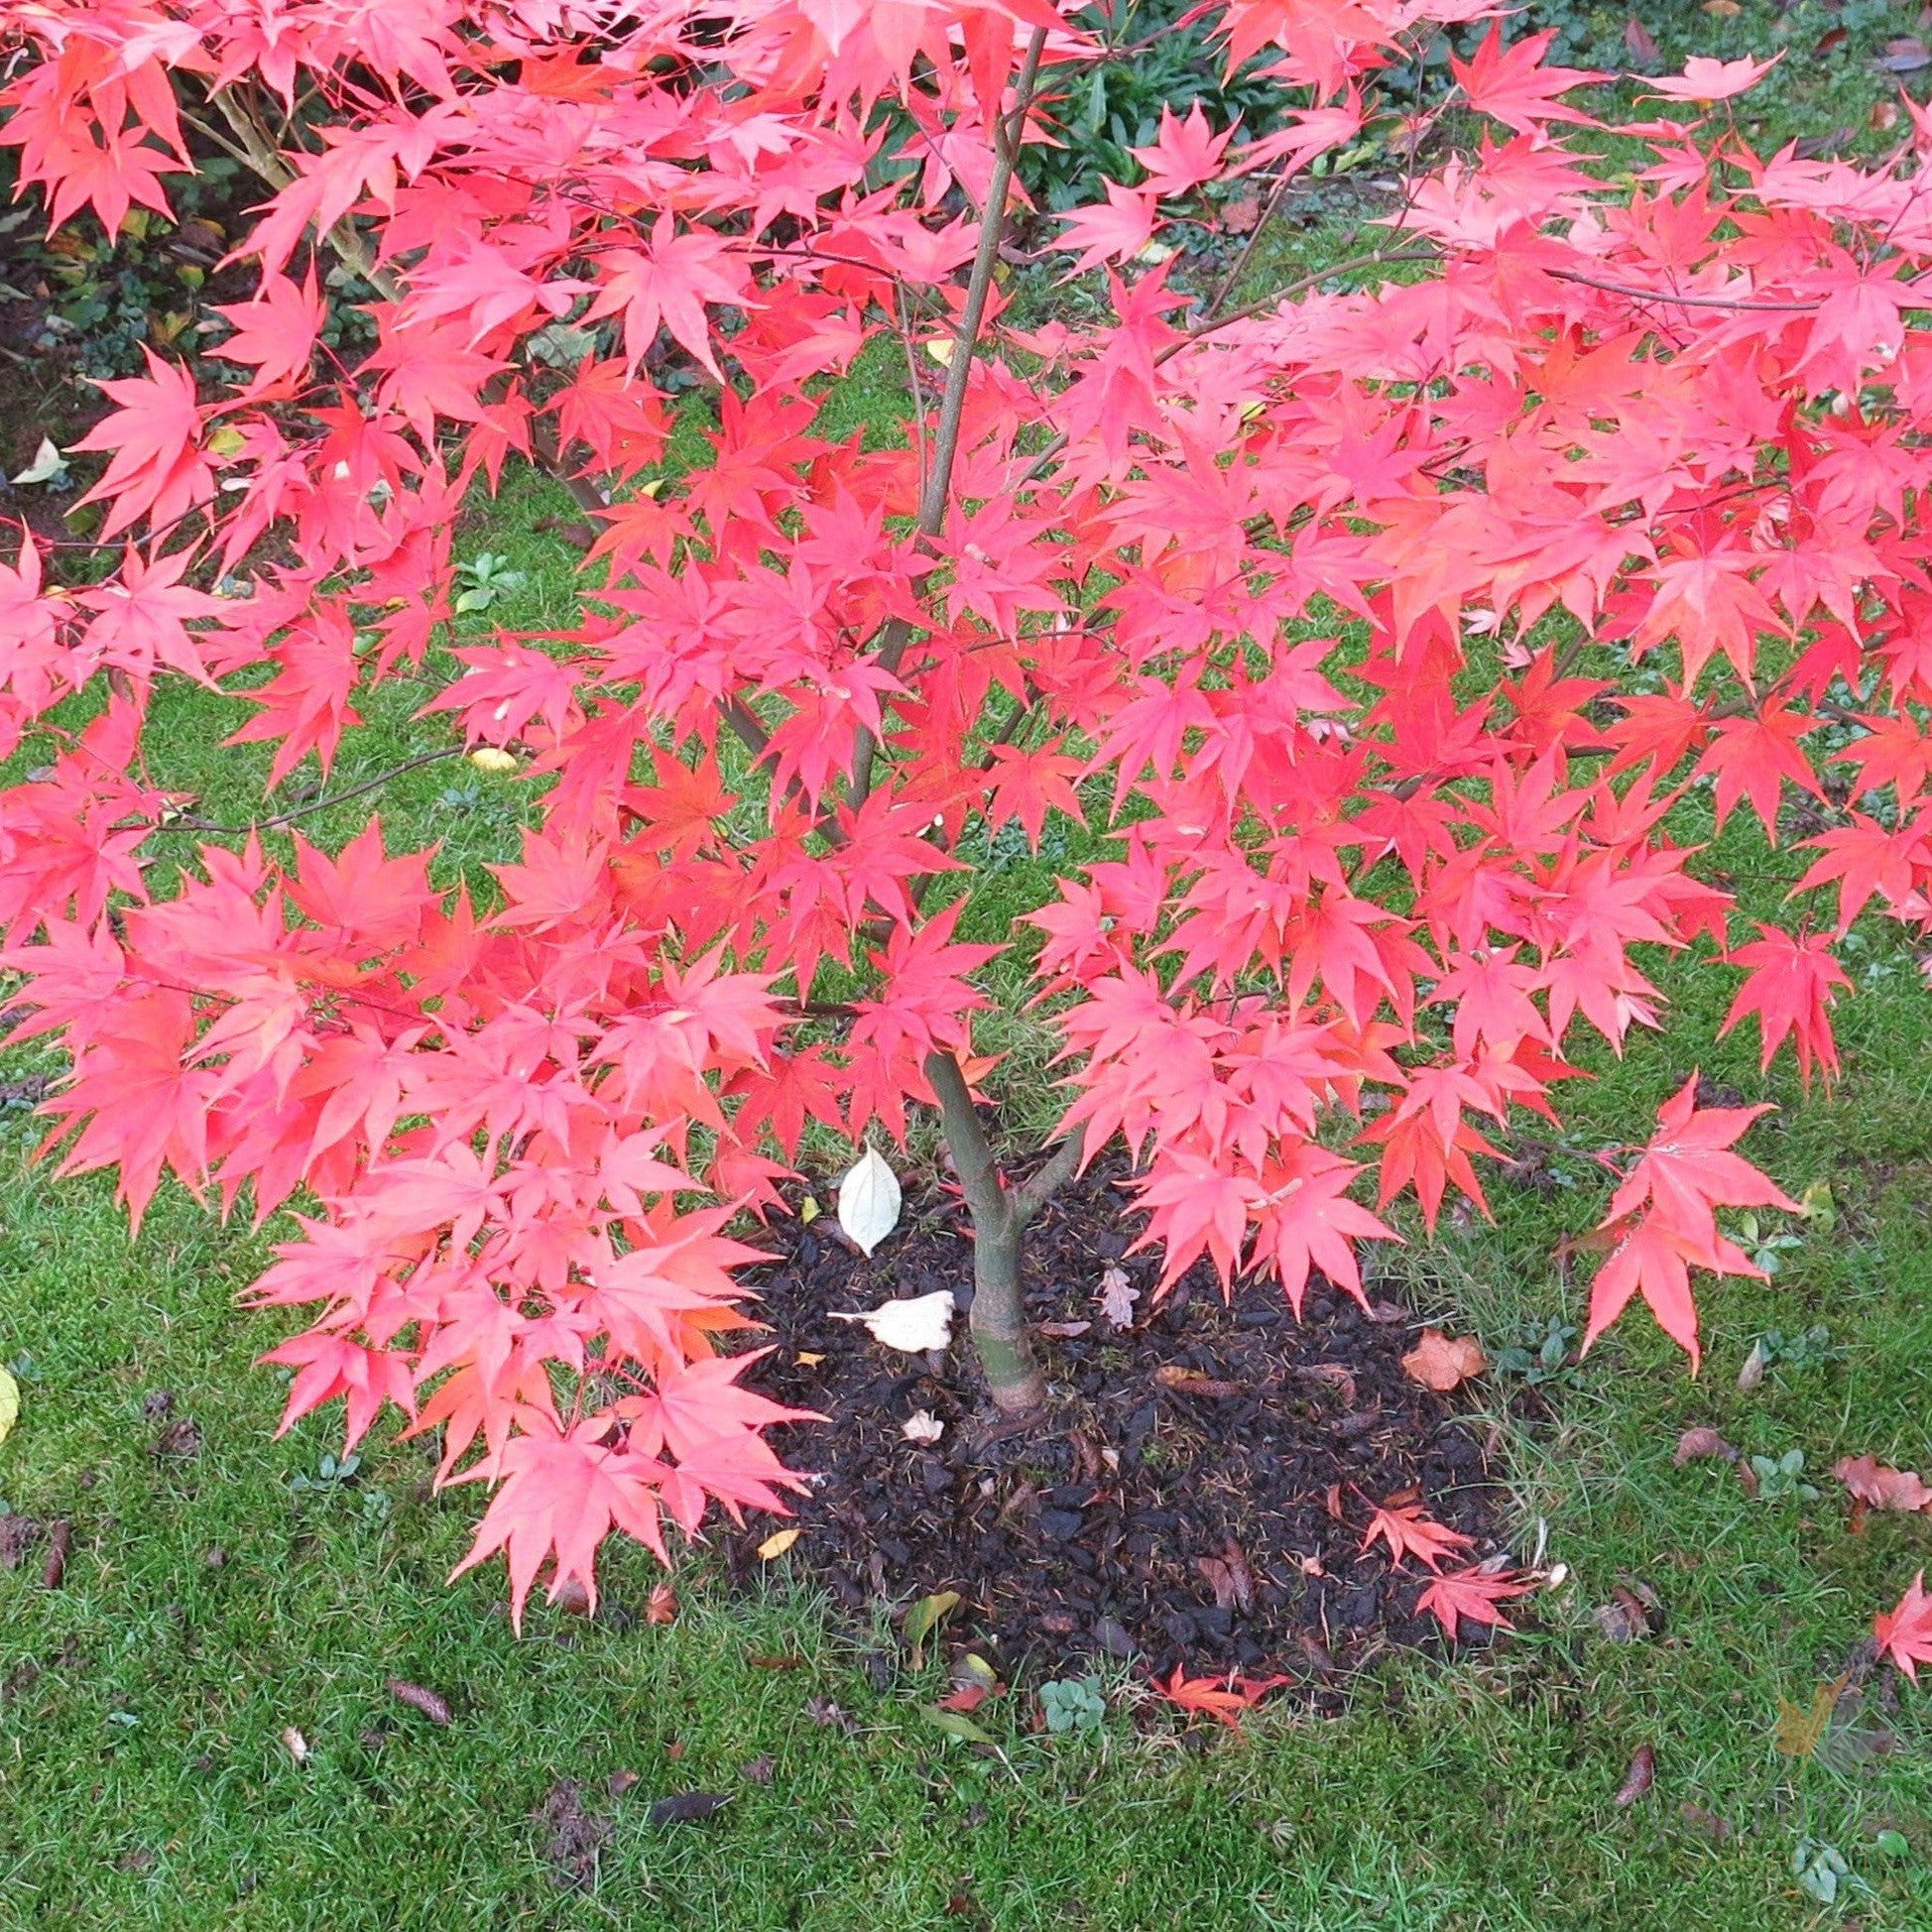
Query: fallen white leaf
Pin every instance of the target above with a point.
(1118, 1294)
(923, 1426)
(911, 1327)
(48, 462)
(868, 1202)
(295, 1745)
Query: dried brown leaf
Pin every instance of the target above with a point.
(1332, 1371)
(1698, 1445)
(1443, 1363)
(1639, 1778)
(1709, 1823)
(1240, 1576)
(1640, 44)
(1239, 215)
(59, 1539)
(417, 1698)
(1879, 1487)
(1118, 1294)
(1218, 1580)
(1185, 1382)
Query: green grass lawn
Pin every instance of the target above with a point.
(216, 1603)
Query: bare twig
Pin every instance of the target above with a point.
(186, 823)
(952, 409)
(1686, 301)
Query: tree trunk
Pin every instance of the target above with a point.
(1000, 1213)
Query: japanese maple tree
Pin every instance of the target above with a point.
(1381, 636)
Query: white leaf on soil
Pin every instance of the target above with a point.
(911, 1327)
(868, 1201)
(48, 462)
(923, 1426)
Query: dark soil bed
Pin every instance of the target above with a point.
(1216, 1523)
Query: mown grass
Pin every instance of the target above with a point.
(211, 1605)
(145, 1779)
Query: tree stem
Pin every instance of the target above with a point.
(953, 408)
(1000, 1216)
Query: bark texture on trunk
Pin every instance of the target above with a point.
(997, 1321)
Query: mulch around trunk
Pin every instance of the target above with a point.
(1212, 1517)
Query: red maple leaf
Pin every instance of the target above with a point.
(1792, 984)
(1471, 1595)
(1223, 1698)
(157, 470)
(1511, 85)
(1410, 1530)
(275, 330)
(1905, 1634)
(1663, 1221)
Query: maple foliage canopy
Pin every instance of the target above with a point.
(1384, 629)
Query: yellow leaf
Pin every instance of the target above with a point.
(492, 757)
(810, 1210)
(1723, 8)
(1817, 1206)
(225, 442)
(9, 1402)
(924, 1619)
(808, 1359)
(940, 352)
(1798, 1729)
(776, 1546)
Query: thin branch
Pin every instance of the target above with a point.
(1686, 301)
(187, 824)
(1262, 223)
(1037, 1189)
(745, 725)
(258, 149)
(548, 451)
(972, 1153)
(952, 409)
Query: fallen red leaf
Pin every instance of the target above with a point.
(1471, 1596)
(1905, 1634)
(1409, 1530)
(1215, 1697)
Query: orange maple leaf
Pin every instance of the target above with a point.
(1410, 1530)
(1214, 1696)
